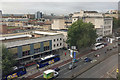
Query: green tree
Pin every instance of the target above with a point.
(81, 34)
(116, 23)
(7, 60)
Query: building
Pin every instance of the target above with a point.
(112, 11)
(38, 15)
(112, 15)
(32, 45)
(3, 29)
(60, 24)
(0, 15)
(102, 24)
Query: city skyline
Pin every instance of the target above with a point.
(58, 8)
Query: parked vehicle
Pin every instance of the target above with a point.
(48, 74)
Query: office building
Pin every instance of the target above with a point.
(102, 24)
(38, 15)
(32, 45)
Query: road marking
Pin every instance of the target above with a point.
(68, 71)
(62, 69)
(109, 71)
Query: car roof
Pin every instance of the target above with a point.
(49, 71)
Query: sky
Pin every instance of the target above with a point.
(58, 7)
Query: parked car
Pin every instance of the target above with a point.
(87, 59)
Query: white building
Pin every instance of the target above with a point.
(103, 25)
(58, 24)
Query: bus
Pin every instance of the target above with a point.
(17, 72)
(98, 46)
(48, 60)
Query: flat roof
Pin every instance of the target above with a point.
(47, 57)
(13, 37)
(45, 33)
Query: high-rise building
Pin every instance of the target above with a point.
(38, 15)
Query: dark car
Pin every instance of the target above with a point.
(87, 59)
(57, 69)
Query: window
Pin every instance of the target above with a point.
(54, 45)
(25, 53)
(57, 39)
(46, 48)
(57, 44)
(60, 38)
(37, 50)
(54, 40)
(60, 44)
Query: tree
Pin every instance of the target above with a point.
(116, 23)
(81, 34)
(7, 60)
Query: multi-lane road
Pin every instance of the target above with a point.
(94, 72)
(81, 65)
(100, 70)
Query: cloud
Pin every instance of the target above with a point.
(56, 7)
(59, 0)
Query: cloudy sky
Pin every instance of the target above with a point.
(56, 6)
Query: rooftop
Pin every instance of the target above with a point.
(25, 35)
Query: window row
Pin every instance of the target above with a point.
(46, 48)
(57, 45)
(57, 39)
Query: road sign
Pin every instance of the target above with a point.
(71, 53)
(73, 47)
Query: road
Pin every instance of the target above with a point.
(81, 65)
(100, 70)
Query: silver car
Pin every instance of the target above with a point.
(71, 66)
